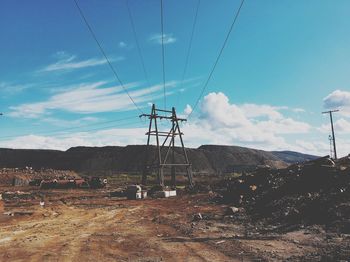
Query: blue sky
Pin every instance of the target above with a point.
(285, 62)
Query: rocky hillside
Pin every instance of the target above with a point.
(293, 157)
(114, 159)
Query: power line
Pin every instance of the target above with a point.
(163, 62)
(189, 47)
(218, 58)
(137, 42)
(73, 128)
(104, 54)
(93, 124)
(100, 128)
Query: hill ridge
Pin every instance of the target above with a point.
(130, 158)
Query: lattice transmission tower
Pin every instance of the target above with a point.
(165, 148)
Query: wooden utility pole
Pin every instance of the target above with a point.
(160, 163)
(332, 127)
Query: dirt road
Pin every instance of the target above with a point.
(118, 230)
(91, 226)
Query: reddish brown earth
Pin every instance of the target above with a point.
(88, 225)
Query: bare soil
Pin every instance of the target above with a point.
(89, 225)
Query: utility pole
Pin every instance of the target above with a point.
(330, 146)
(160, 159)
(330, 112)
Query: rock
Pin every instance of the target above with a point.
(197, 217)
(253, 187)
(232, 210)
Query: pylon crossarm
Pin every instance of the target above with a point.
(161, 134)
(162, 117)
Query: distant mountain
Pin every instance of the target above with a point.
(292, 157)
(130, 159)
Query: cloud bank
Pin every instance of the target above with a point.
(90, 98)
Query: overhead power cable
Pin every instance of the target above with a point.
(163, 55)
(137, 42)
(111, 126)
(104, 54)
(189, 47)
(218, 57)
(57, 131)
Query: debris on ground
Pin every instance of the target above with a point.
(299, 213)
(29, 176)
(197, 217)
(13, 195)
(232, 210)
(316, 192)
(135, 192)
(65, 183)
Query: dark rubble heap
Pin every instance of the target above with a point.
(22, 176)
(315, 192)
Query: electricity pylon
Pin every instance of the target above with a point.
(161, 162)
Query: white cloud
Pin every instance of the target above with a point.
(323, 148)
(68, 62)
(108, 137)
(167, 39)
(218, 121)
(338, 99)
(284, 126)
(122, 44)
(11, 89)
(188, 109)
(312, 147)
(341, 126)
(92, 98)
(42, 142)
(259, 126)
(61, 55)
(194, 136)
(217, 110)
(70, 123)
(298, 110)
(253, 110)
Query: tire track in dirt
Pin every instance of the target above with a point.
(67, 233)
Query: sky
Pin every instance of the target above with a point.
(285, 62)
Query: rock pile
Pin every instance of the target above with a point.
(22, 176)
(316, 192)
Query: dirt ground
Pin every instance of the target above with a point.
(89, 225)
